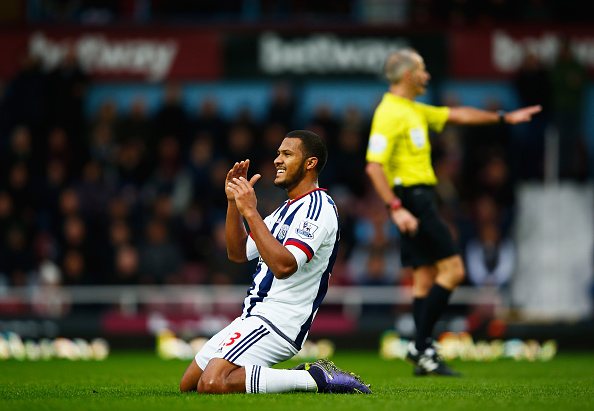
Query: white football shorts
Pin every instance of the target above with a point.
(247, 341)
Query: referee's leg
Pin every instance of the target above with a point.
(450, 272)
(446, 274)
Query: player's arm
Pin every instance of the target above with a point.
(406, 222)
(475, 116)
(235, 232)
(279, 260)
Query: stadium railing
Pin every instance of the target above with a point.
(206, 298)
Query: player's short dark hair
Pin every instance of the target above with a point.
(313, 146)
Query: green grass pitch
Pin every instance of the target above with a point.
(141, 381)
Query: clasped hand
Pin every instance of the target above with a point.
(239, 190)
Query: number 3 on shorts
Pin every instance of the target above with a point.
(231, 339)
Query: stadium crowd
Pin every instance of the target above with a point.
(136, 197)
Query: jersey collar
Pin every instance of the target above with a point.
(306, 194)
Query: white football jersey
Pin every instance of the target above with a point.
(308, 227)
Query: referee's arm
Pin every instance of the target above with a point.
(406, 222)
(378, 178)
(476, 116)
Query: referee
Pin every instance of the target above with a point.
(399, 166)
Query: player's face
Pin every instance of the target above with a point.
(419, 77)
(290, 164)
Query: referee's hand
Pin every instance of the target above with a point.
(405, 221)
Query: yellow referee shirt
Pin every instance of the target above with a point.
(399, 139)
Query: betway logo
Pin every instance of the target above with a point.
(508, 52)
(324, 54)
(99, 55)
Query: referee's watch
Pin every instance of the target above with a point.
(395, 204)
(501, 115)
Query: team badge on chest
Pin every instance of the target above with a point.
(283, 232)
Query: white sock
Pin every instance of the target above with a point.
(262, 380)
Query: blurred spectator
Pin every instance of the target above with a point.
(222, 270)
(195, 234)
(350, 150)
(68, 206)
(210, 121)
(69, 203)
(348, 212)
(493, 179)
(16, 258)
(120, 234)
(374, 235)
(107, 114)
(20, 188)
(94, 193)
(200, 159)
(243, 118)
(272, 136)
(569, 77)
(65, 93)
(169, 178)
(324, 119)
(47, 194)
(282, 105)
(73, 268)
(171, 119)
(160, 259)
(59, 149)
(7, 217)
(485, 211)
(480, 145)
(374, 265)
(132, 165)
(490, 258)
(532, 82)
(137, 125)
(22, 101)
(353, 119)
(74, 235)
(533, 85)
(126, 266)
(19, 151)
(102, 149)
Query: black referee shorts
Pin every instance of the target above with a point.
(433, 240)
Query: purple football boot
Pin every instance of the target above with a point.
(332, 380)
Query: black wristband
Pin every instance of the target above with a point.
(501, 115)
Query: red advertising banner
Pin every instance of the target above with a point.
(500, 52)
(149, 55)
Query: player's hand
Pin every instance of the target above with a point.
(239, 170)
(243, 192)
(522, 115)
(405, 221)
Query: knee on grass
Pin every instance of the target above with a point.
(217, 385)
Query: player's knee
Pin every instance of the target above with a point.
(186, 386)
(422, 288)
(211, 386)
